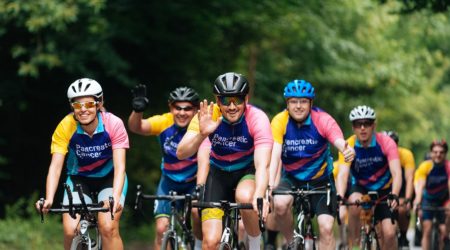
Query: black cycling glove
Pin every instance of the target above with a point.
(200, 190)
(140, 101)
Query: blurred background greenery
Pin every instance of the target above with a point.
(390, 54)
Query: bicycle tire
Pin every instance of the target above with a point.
(374, 243)
(364, 244)
(169, 241)
(224, 246)
(189, 242)
(295, 244)
(434, 243)
(78, 243)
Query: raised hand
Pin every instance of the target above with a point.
(140, 101)
(348, 152)
(205, 117)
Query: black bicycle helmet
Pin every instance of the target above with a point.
(393, 135)
(184, 94)
(231, 84)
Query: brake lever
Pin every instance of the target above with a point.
(41, 206)
(137, 203)
(259, 203)
(111, 207)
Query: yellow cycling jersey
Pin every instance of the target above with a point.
(159, 123)
(435, 177)
(406, 158)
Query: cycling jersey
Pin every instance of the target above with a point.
(305, 149)
(436, 177)
(169, 135)
(232, 145)
(370, 168)
(407, 163)
(89, 156)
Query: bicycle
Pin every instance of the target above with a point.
(171, 239)
(304, 237)
(231, 217)
(368, 233)
(435, 233)
(87, 236)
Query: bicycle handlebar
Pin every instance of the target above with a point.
(172, 196)
(303, 193)
(222, 204)
(366, 205)
(82, 208)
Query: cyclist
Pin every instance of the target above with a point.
(302, 134)
(431, 183)
(96, 142)
(177, 175)
(407, 190)
(376, 167)
(238, 138)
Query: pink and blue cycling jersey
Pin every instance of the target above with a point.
(90, 156)
(370, 168)
(305, 148)
(232, 145)
(169, 135)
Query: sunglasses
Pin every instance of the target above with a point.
(365, 123)
(186, 108)
(227, 100)
(298, 101)
(87, 105)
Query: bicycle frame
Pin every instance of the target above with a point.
(183, 219)
(368, 203)
(231, 219)
(435, 232)
(304, 233)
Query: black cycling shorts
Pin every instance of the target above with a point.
(318, 202)
(382, 211)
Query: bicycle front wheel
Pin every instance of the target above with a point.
(295, 244)
(365, 243)
(78, 243)
(434, 243)
(169, 241)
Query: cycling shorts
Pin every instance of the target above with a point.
(162, 207)
(382, 211)
(428, 215)
(318, 202)
(95, 189)
(221, 185)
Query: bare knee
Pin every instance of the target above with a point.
(109, 230)
(161, 227)
(210, 241)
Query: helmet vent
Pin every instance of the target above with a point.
(87, 86)
(80, 84)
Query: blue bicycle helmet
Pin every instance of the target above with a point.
(299, 89)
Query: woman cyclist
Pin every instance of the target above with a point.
(95, 142)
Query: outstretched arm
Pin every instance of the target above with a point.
(54, 173)
(275, 165)
(138, 125)
(119, 176)
(343, 147)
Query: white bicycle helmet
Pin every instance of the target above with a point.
(84, 87)
(362, 112)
